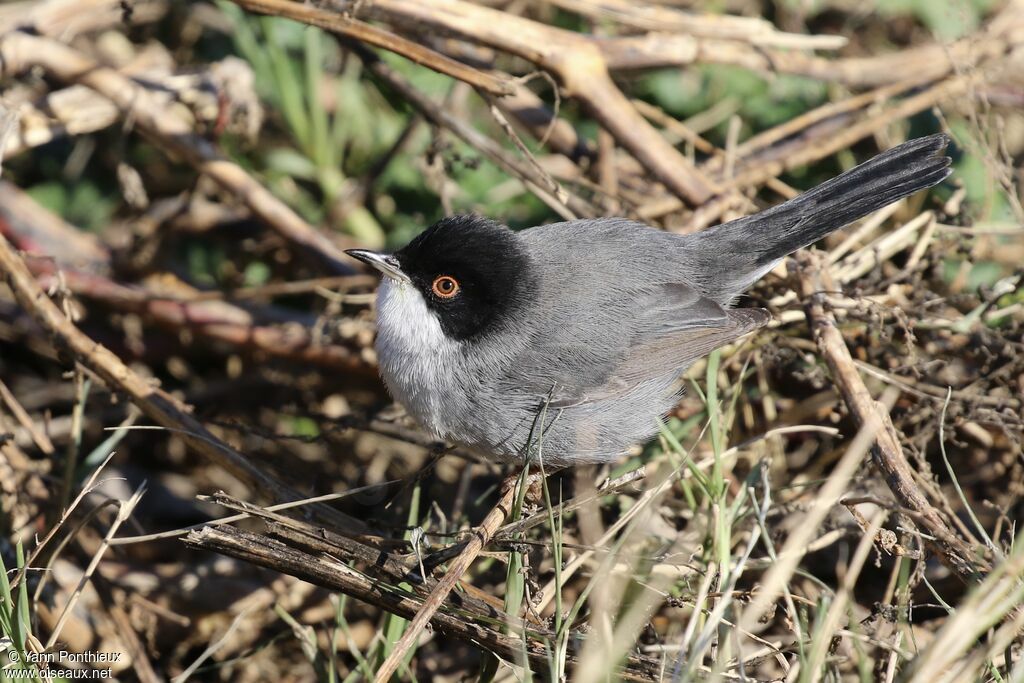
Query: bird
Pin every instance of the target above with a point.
(567, 342)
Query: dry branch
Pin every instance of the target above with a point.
(20, 51)
(325, 570)
(887, 453)
(160, 406)
(371, 35)
(321, 557)
(574, 59)
(481, 536)
(663, 19)
(1001, 35)
(439, 116)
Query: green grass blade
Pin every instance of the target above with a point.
(23, 617)
(287, 83)
(321, 149)
(394, 626)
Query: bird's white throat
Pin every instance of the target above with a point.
(414, 353)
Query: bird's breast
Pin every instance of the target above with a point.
(418, 362)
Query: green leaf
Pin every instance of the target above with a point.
(256, 274)
(291, 162)
(361, 224)
(50, 195)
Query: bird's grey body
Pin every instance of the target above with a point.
(603, 317)
(605, 355)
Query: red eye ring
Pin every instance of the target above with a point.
(445, 287)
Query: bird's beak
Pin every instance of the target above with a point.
(385, 263)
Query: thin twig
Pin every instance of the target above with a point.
(87, 488)
(481, 535)
(212, 648)
(123, 513)
(439, 116)
(175, 533)
(41, 440)
(371, 35)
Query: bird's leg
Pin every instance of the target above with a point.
(534, 480)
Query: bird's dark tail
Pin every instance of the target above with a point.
(745, 249)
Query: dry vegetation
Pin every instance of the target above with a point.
(201, 473)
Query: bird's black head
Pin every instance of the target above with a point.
(472, 272)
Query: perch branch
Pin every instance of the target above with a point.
(327, 570)
(295, 547)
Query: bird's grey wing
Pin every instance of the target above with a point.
(663, 330)
(676, 350)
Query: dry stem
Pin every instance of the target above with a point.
(481, 535)
(20, 51)
(160, 406)
(887, 453)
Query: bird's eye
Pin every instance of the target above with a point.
(445, 286)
